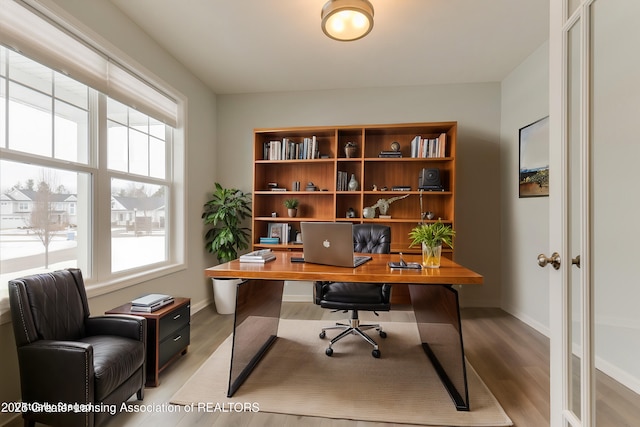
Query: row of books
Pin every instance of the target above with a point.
(150, 303)
(259, 256)
(429, 147)
(342, 182)
(291, 150)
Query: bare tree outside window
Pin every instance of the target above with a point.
(43, 220)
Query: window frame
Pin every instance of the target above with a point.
(102, 280)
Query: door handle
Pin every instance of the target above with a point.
(554, 260)
(576, 261)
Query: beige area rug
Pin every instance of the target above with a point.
(296, 377)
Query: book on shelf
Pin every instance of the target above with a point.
(429, 147)
(287, 149)
(391, 154)
(269, 240)
(260, 256)
(342, 182)
(150, 303)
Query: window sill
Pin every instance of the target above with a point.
(97, 289)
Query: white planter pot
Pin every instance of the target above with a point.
(224, 295)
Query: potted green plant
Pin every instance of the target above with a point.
(431, 236)
(292, 207)
(225, 212)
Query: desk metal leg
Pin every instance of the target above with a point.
(437, 313)
(255, 328)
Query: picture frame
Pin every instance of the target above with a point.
(279, 230)
(533, 168)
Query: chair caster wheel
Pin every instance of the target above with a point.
(376, 354)
(383, 334)
(329, 352)
(322, 334)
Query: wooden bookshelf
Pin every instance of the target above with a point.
(330, 204)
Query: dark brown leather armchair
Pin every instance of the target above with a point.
(67, 357)
(367, 238)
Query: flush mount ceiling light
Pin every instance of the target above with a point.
(347, 20)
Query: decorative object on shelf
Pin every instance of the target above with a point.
(430, 180)
(292, 207)
(369, 212)
(295, 186)
(431, 237)
(429, 215)
(311, 187)
(395, 146)
(383, 205)
(353, 183)
(351, 213)
(225, 211)
(347, 20)
(350, 149)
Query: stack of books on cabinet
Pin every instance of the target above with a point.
(150, 303)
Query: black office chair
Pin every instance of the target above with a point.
(367, 238)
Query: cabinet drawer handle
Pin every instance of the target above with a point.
(178, 338)
(177, 316)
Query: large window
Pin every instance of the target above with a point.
(68, 152)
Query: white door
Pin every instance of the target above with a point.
(594, 199)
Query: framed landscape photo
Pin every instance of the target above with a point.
(533, 170)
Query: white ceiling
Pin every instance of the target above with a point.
(247, 46)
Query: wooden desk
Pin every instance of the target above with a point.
(435, 304)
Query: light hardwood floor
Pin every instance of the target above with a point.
(511, 358)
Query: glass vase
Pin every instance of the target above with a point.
(431, 256)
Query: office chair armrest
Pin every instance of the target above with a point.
(386, 292)
(317, 291)
(121, 325)
(56, 371)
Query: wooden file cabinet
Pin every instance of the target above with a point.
(168, 335)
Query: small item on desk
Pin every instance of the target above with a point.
(261, 256)
(297, 259)
(405, 265)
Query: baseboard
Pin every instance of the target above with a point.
(199, 306)
(529, 321)
(618, 374)
(12, 420)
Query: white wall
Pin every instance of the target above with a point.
(108, 22)
(525, 222)
(476, 108)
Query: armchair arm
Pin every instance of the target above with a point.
(122, 325)
(56, 371)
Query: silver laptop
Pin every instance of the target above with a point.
(330, 243)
